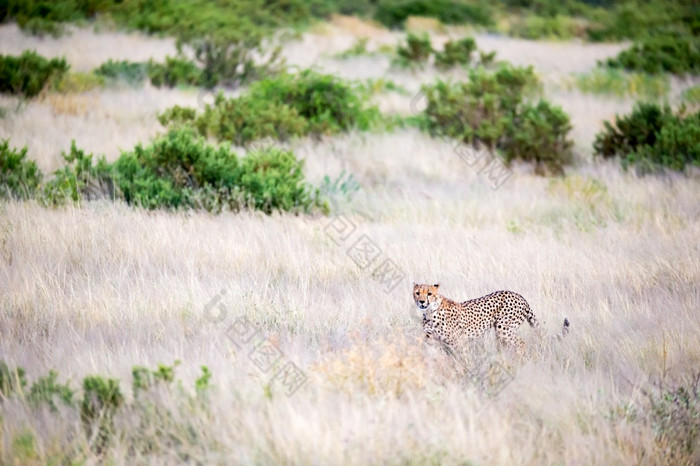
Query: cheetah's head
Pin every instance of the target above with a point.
(426, 296)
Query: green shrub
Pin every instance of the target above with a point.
(416, 50)
(47, 389)
(456, 52)
(490, 110)
(101, 400)
(329, 104)
(652, 138)
(30, 73)
(478, 111)
(274, 180)
(11, 380)
(174, 72)
(282, 107)
(635, 19)
(132, 73)
(48, 16)
(144, 378)
(79, 179)
(539, 27)
(239, 120)
(180, 170)
(19, 178)
(539, 134)
(659, 54)
(393, 13)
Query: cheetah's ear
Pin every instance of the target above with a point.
(437, 285)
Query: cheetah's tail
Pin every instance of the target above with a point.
(565, 327)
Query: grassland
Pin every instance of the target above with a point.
(104, 287)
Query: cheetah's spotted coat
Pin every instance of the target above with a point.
(452, 323)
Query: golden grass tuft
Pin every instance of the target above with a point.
(379, 369)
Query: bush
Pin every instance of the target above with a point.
(29, 74)
(638, 19)
(47, 389)
(101, 399)
(666, 53)
(132, 73)
(652, 138)
(393, 13)
(282, 107)
(489, 110)
(539, 27)
(180, 170)
(416, 50)
(19, 178)
(79, 180)
(457, 52)
(48, 16)
(477, 111)
(539, 134)
(274, 180)
(174, 72)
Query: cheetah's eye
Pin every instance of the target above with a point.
(417, 293)
(430, 294)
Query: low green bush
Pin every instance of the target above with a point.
(240, 120)
(151, 424)
(638, 19)
(132, 73)
(660, 54)
(456, 52)
(175, 72)
(180, 170)
(48, 16)
(539, 134)
(393, 13)
(652, 138)
(477, 111)
(79, 179)
(47, 390)
(101, 399)
(542, 27)
(490, 110)
(415, 51)
(285, 106)
(19, 178)
(28, 74)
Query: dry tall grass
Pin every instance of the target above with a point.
(104, 287)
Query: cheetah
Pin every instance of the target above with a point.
(451, 323)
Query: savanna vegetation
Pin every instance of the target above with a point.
(206, 249)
